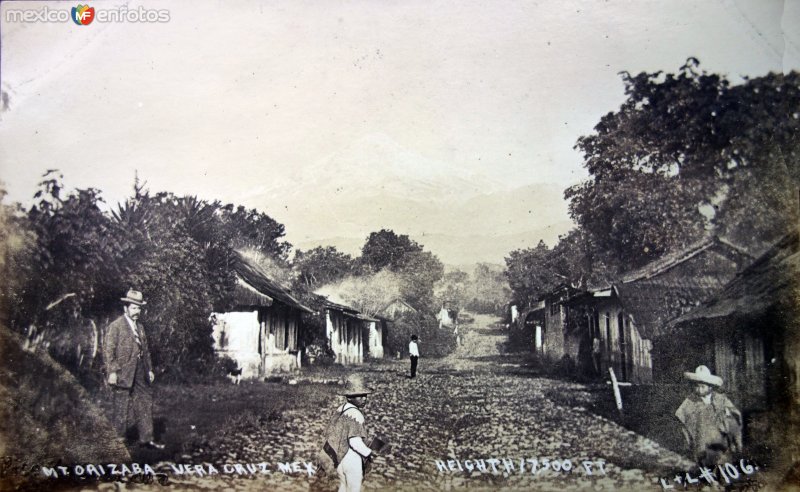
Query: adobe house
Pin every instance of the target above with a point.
(261, 331)
(748, 334)
(349, 332)
(603, 317)
(558, 339)
(625, 316)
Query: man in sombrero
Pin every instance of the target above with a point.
(130, 371)
(712, 425)
(345, 437)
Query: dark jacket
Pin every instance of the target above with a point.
(121, 352)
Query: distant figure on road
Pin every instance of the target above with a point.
(345, 436)
(130, 371)
(413, 352)
(712, 425)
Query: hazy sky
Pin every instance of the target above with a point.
(236, 100)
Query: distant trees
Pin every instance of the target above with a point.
(418, 269)
(487, 289)
(386, 249)
(322, 265)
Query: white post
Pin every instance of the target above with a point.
(615, 384)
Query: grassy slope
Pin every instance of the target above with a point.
(46, 417)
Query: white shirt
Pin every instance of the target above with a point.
(413, 349)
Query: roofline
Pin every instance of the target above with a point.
(687, 254)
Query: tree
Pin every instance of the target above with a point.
(452, 290)
(418, 269)
(682, 144)
(488, 289)
(530, 273)
(385, 249)
(256, 230)
(73, 252)
(421, 271)
(322, 265)
(180, 251)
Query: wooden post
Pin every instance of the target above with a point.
(615, 384)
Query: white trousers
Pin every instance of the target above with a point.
(350, 472)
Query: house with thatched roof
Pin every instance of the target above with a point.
(396, 308)
(613, 325)
(260, 333)
(352, 335)
(749, 333)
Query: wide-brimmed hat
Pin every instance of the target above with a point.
(703, 375)
(355, 387)
(134, 297)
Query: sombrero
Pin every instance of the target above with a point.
(703, 375)
(134, 297)
(355, 387)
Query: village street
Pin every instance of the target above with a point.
(468, 406)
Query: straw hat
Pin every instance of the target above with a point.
(703, 375)
(355, 387)
(134, 297)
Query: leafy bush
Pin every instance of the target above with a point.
(433, 341)
(177, 250)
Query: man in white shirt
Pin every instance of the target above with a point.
(413, 352)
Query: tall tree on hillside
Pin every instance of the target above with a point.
(681, 146)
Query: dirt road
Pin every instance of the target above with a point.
(470, 420)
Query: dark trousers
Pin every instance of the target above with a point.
(414, 360)
(134, 406)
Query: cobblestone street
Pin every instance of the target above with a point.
(464, 408)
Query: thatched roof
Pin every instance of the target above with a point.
(396, 307)
(772, 279)
(255, 288)
(340, 307)
(678, 282)
(669, 261)
(672, 285)
(349, 311)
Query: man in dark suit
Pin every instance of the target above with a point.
(130, 371)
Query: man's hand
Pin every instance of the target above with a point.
(152, 376)
(366, 463)
(112, 378)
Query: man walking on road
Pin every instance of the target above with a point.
(130, 371)
(413, 352)
(345, 436)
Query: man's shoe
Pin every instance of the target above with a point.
(153, 445)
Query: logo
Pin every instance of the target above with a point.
(83, 15)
